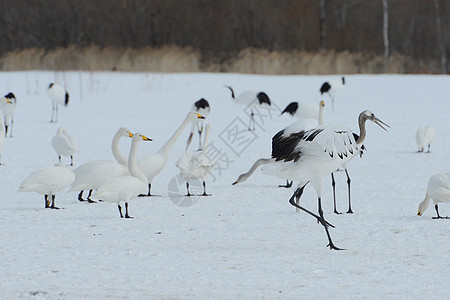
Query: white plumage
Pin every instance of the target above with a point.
(64, 144)
(307, 156)
(59, 96)
(438, 190)
(424, 136)
(8, 108)
(3, 101)
(91, 175)
(153, 164)
(196, 164)
(251, 99)
(125, 188)
(48, 181)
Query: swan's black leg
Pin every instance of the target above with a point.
(149, 194)
(47, 204)
(126, 211)
(350, 211)
(204, 190)
(80, 196)
(59, 157)
(297, 194)
(437, 212)
(333, 183)
(53, 203)
(71, 160)
(120, 210)
(89, 197)
(187, 189)
(288, 184)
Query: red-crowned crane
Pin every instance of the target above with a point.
(8, 108)
(331, 88)
(58, 95)
(307, 156)
(251, 99)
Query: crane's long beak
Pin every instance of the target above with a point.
(381, 123)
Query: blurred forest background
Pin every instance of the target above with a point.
(253, 36)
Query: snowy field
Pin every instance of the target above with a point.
(245, 241)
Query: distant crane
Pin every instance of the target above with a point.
(8, 108)
(251, 99)
(331, 88)
(58, 95)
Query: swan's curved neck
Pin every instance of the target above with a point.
(321, 119)
(165, 149)
(424, 204)
(121, 159)
(132, 162)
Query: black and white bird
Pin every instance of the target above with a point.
(250, 99)
(202, 107)
(425, 134)
(8, 108)
(307, 156)
(438, 190)
(331, 88)
(58, 95)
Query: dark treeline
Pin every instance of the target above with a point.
(219, 29)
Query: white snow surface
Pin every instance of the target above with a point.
(245, 241)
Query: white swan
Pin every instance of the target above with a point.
(439, 191)
(153, 164)
(424, 136)
(91, 175)
(8, 108)
(124, 188)
(58, 95)
(196, 164)
(202, 107)
(64, 144)
(48, 181)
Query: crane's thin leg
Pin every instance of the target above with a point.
(59, 157)
(6, 129)
(324, 223)
(53, 203)
(333, 184)
(53, 112)
(56, 114)
(349, 211)
(47, 204)
(126, 211)
(297, 194)
(437, 212)
(204, 190)
(288, 184)
(120, 210)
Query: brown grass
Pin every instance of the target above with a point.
(177, 59)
